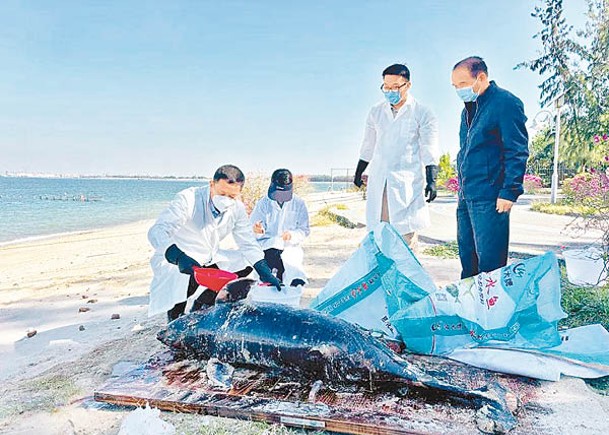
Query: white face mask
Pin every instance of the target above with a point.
(222, 203)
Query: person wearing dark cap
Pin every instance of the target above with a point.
(400, 150)
(280, 221)
(187, 234)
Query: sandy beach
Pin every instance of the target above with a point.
(67, 289)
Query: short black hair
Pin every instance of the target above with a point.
(230, 173)
(282, 177)
(474, 64)
(397, 69)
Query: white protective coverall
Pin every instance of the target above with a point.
(398, 150)
(189, 223)
(292, 217)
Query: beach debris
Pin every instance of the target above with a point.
(115, 316)
(85, 297)
(137, 327)
(145, 421)
(30, 332)
(84, 309)
(314, 390)
(92, 301)
(81, 328)
(314, 345)
(219, 374)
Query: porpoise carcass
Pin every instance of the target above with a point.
(312, 344)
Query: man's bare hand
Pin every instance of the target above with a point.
(503, 205)
(258, 228)
(286, 236)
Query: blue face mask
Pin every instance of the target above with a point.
(467, 93)
(393, 97)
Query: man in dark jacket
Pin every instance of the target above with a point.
(491, 164)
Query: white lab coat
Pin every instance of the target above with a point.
(189, 223)
(398, 150)
(292, 217)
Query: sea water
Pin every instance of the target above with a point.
(32, 207)
(35, 207)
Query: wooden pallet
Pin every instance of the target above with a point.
(181, 386)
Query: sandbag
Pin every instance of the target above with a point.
(381, 277)
(518, 304)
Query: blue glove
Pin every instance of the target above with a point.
(176, 256)
(263, 269)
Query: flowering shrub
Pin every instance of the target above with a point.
(532, 183)
(589, 188)
(598, 138)
(452, 184)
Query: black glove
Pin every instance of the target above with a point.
(361, 167)
(176, 256)
(431, 175)
(263, 269)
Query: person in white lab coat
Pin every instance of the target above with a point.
(188, 234)
(400, 145)
(280, 221)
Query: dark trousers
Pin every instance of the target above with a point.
(207, 298)
(482, 235)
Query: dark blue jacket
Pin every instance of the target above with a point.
(494, 147)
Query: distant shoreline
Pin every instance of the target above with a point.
(316, 178)
(104, 177)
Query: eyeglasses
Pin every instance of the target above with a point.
(395, 88)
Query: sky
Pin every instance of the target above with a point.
(181, 87)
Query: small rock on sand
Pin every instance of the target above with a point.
(81, 328)
(115, 316)
(84, 309)
(31, 332)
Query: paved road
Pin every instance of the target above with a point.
(530, 232)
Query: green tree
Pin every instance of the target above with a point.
(578, 69)
(446, 170)
(541, 148)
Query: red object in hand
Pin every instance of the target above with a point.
(213, 279)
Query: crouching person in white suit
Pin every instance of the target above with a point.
(280, 221)
(187, 234)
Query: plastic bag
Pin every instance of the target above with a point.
(519, 304)
(382, 276)
(145, 421)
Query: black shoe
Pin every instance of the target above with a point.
(296, 282)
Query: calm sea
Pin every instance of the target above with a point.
(33, 207)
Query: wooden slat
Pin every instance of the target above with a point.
(182, 387)
(224, 409)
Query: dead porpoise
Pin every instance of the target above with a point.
(312, 344)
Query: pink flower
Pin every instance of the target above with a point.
(597, 138)
(452, 184)
(605, 137)
(532, 183)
